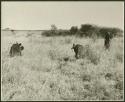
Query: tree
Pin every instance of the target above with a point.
(73, 30)
(53, 29)
(86, 29)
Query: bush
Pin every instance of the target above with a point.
(86, 30)
(113, 32)
(63, 32)
(47, 33)
(73, 30)
(56, 33)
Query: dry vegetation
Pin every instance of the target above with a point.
(48, 69)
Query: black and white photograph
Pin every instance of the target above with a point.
(62, 50)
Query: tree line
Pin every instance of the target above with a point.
(86, 30)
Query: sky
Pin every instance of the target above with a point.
(41, 15)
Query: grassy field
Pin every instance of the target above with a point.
(43, 73)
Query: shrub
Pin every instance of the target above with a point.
(56, 33)
(63, 32)
(113, 32)
(86, 30)
(89, 30)
(73, 30)
(47, 33)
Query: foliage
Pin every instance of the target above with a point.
(56, 33)
(86, 30)
(73, 30)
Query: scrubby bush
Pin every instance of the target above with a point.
(86, 30)
(47, 33)
(56, 33)
(73, 30)
(63, 32)
(113, 32)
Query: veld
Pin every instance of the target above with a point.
(48, 70)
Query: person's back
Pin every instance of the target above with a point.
(107, 40)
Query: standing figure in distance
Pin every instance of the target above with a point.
(107, 40)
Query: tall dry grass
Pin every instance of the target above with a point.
(48, 69)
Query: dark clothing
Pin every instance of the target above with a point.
(107, 41)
